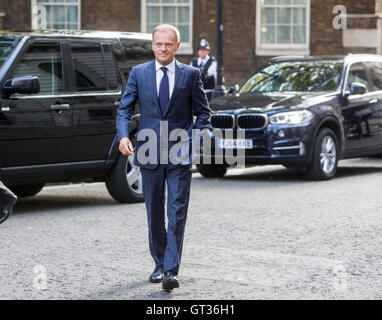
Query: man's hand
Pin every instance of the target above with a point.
(126, 147)
(205, 132)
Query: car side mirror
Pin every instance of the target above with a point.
(357, 88)
(234, 89)
(22, 85)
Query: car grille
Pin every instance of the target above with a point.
(222, 121)
(251, 121)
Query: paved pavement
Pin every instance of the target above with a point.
(258, 233)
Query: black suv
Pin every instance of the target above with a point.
(59, 95)
(301, 112)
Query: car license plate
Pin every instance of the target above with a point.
(235, 143)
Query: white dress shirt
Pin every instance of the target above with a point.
(170, 74)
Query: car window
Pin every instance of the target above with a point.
(300, 76)
(94, 67)
(375, 69)
(111, 72)
(137, 52)
(357, 73)
(44, 61)
(7, 44)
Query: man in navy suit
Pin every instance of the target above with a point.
(170, 94)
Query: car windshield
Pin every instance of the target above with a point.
(294, 76)
(7, 44)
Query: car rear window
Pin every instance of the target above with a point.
(137, 52)
(94, 67)
(300, 76)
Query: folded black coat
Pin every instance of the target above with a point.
(7, 201)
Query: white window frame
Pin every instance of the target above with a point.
(268, 49)
(46, 3)
(185, 47)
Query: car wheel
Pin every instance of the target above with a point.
(124, 182)
(27, 190)
(325, 156)
(211, 170)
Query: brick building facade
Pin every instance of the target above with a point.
(242, 19)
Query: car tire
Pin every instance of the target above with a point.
(211, 170)
(27, 190)
(325, 156)
(124, 182)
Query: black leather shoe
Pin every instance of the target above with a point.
(170, 281)
(7, 209)
(157, 275)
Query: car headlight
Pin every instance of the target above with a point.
(291, 117)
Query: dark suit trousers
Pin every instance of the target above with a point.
(166, 246)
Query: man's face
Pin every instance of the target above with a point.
(203, 53)
(165, 46)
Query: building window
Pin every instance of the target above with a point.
(175, 12)
(282, 27)
(56, 14)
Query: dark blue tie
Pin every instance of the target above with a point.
(164, 91)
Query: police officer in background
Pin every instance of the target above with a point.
(207, 66)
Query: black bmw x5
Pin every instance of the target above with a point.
(301, 112)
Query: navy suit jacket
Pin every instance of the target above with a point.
(188, 99)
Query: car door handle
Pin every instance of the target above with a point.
(117, 104)
(373, 101)
(60, 107)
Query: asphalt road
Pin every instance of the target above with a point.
(258, 233)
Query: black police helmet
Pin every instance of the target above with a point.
(203, 44)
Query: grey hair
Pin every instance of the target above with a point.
(167, 27)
